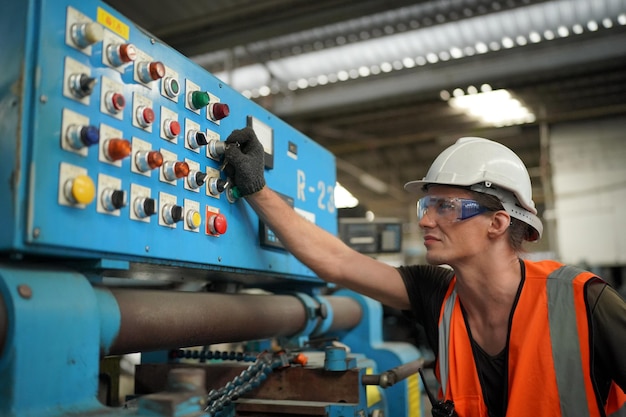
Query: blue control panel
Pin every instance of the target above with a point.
(111, 148)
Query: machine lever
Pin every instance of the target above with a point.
(393, 376)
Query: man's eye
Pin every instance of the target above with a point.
(445, 205)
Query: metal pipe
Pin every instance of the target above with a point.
(159, 320)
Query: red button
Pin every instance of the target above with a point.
(127, 52)
(218, 224)
(172, 128)
(218, 111)
(157, 70)
(146, 116)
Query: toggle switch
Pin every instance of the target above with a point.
(216, 185)
(144, 207)
(194, 219)
(113, 199)
(120, 54)
(218, 111)
(116, 149)
(147, 160)
(196, 138)
(145, 116)
(216, 148)
(150, 71)
(171, 86)
(79, 190)
(80, 137)
(85, 34)
(199, 99)
(216, 224)
(174, 170)
(171, 128)
(114, 102)
(82, 85)
(172, 213)
(196, 179)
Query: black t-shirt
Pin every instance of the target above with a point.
(427, 286)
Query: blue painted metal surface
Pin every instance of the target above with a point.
(32, 104)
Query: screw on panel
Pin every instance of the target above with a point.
(152, 41)
(24, 291)
(219, 259)
(147, 248)
(36, 232)
(43, 99)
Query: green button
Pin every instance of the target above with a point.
(175, 87)
(199, 99)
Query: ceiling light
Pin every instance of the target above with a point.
(498, 107)
(344, 198)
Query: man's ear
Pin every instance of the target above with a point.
(500, 222)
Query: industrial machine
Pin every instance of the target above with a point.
(122, 234)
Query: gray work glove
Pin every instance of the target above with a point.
(244, 159)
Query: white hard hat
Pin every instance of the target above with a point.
(488, 167)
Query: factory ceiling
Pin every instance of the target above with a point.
(372, 80)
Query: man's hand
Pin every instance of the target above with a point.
(244, 159)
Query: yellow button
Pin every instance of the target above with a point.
(194, 219)
(83, 189)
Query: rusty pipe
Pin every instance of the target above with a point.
(160, 320)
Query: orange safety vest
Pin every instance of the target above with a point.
(549, 359)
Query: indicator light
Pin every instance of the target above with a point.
(85, 34)
(113, 199)
(196, 179)
(116, 149)
(145, 116)
(199, 99)
(175, 170)
(120, 54)
(80, 190)
(216, 224)
(218, 111)
(81, 136)
(172, 213)
(147, 160)
(217, 185)
(150, 71)
(171, 128)
(194, 219)
(196, 138)
(114, 102)
(216, 148)
(144, 207)
(172, 87)
(82, 85)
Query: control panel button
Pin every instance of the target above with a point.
(199, 99)
(117, 149)
(172, 213)
(171, 128)
(194, 219)
(218, 111)
(113, 199)
(173, 170)
(80, 190)
(85, 34)
(120, 54)
(216, 185)
(82, 136)
(145, 116)
(82, 85)
(196, 138)
(144, 207)
(216, 148)
(216, 224)
(114, 102)
(150, 71)
(147, 160)
(196, 179)
(172, 87)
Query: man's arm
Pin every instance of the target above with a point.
(330, 258)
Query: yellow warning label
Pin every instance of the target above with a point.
(109, 21)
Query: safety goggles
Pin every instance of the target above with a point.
(448, 208)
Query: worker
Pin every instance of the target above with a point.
(512, 337)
